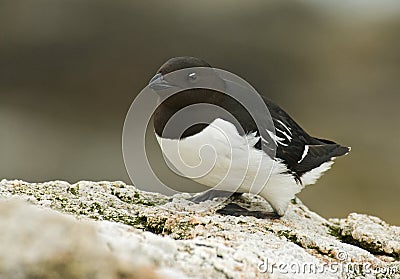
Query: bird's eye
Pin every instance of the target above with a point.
(192, 77)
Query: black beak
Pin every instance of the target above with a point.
(158, 83)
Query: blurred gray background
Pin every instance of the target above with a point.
(69, 71)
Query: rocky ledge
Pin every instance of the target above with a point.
(113, 230)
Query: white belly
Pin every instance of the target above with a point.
(220, 158)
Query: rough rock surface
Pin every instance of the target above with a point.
(113, 230)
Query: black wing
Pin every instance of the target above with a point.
(298, 150)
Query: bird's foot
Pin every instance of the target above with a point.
(233, 209)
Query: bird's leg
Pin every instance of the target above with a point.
(233, 209)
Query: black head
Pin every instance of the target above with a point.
(192, 72)
(188, 87)
(182, 62)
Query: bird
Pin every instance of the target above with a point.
(238, 155)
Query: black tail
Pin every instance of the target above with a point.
(320, 153)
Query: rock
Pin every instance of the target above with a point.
(370, 233)
(121, 231)
(39, 243)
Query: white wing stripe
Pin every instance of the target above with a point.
(285, 134)
(283, 124)
(276, 139)
(306, 148)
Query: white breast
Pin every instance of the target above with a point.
(220, 158)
